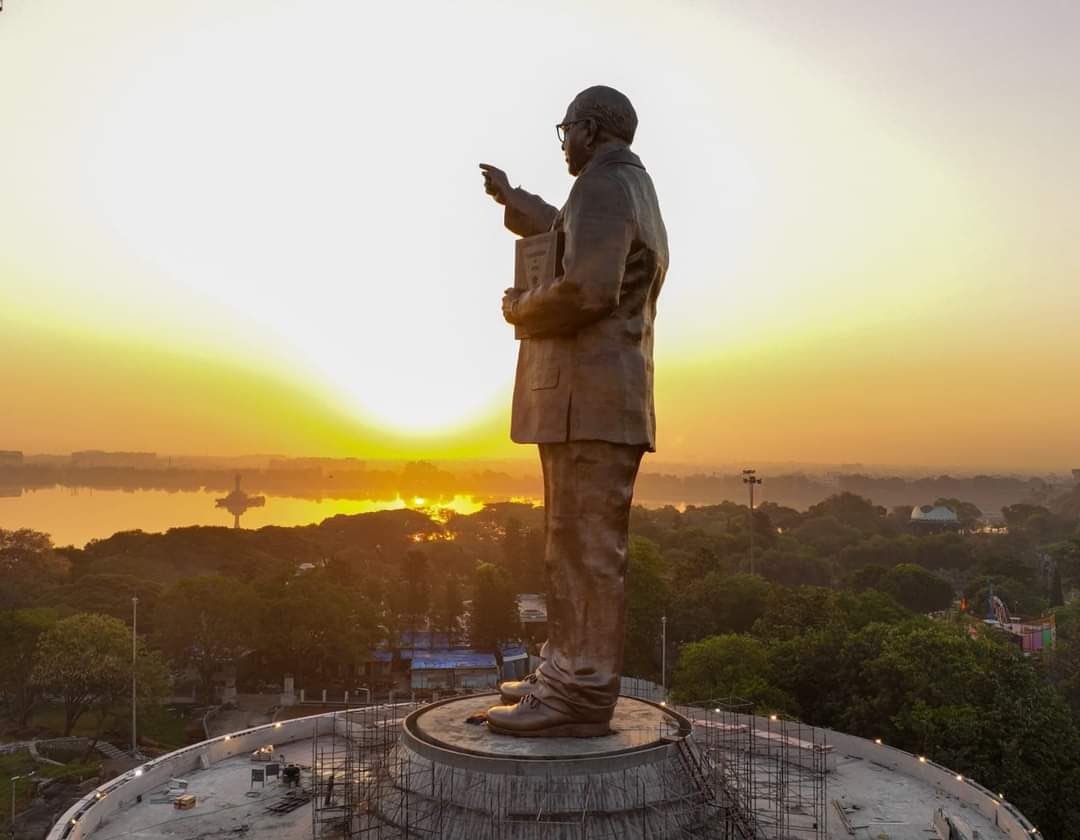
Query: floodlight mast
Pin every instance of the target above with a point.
(750, 479)
(663, 655)
(134, 648)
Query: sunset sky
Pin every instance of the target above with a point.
(232, 227)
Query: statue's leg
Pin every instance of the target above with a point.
(588, 488)
(513, 690)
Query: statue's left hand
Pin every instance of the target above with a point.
(509, 296)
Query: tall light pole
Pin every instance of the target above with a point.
(750, 479)
(663, 655)
(134, 648)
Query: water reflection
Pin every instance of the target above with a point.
(73, 516)
(238, 502)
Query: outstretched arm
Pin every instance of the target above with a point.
(526, 214)
(599, 234)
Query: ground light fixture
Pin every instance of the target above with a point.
(14, 779)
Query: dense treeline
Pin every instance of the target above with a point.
(311, 601)
(826, 620)
(834, 627)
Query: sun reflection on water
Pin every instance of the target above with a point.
(75, 516)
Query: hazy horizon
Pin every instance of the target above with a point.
(528, 460)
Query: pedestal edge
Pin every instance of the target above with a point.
(414, 739)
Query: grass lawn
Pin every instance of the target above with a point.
(50, 719)
(14, 764)
(20, 763)
(161, 724)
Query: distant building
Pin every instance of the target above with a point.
(398, 656)
(933, 513)
(1076, 476)
(10, 458)
(412, 642)
(1030, 635)
(316, 466)
(934, 518)
(453, 670)
(90, 458)
(379, 664)
(532, 613)
(515, 662)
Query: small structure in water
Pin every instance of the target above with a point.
(238, 502)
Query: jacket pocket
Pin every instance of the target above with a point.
(545, 377)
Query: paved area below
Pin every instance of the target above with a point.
(876, 803)
(880, 804)
(223, 807)
(251, 710)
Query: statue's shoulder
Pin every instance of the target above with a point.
(600, 191)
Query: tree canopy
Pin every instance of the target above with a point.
(21, 630)
(207, 623)
(86, 660)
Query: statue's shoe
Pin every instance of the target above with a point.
(514, 690)
(529, 718)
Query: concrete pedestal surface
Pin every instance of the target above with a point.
(447, 778)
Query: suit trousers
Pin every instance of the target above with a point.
(588, 489)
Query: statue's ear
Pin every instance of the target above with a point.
(592, 132)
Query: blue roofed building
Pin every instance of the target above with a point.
(515, 662)
(411, 642)
(442, 670)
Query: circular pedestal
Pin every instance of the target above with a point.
(451, 779)
(640, 732)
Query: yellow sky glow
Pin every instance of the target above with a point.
(258, 226)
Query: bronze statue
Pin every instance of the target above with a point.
(584, 393)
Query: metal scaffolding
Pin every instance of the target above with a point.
(774, 768)
(738, 778)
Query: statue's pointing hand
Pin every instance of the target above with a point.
(496, 183)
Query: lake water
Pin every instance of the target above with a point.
(73, 516)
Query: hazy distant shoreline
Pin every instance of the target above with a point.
(350, 478)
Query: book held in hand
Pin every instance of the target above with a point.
(538, 259)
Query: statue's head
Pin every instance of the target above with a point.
(598, 116)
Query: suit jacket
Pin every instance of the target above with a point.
(586, 370)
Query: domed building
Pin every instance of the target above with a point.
(927, 518)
